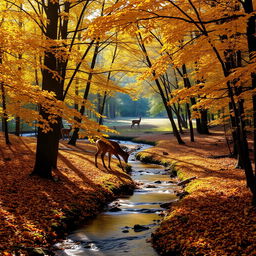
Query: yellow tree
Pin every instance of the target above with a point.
(206, 36)
(52, 22)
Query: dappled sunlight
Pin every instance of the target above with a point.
(157, 72)
(147, 126)
(217, 217)
(32, 208)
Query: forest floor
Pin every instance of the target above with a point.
(216, 218)
(34, 211)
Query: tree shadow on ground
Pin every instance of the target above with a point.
(31, 206)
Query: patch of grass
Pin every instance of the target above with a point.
(181, 173)
(172, 165)
(147, 126)
(110, 185)
(128, 168)
(194, 185)
(146, 157)
(167, 163)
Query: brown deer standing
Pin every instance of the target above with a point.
(66, 132)
(136, 122)
(112, 148)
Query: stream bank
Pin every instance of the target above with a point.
(35, 212)
(125, 227)
(216, 217)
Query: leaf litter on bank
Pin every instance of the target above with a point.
(217, 217)
(34, 211)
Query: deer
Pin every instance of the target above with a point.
(112, 148)
(136, 122)
(66, 132)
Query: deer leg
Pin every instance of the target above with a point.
(96, 155)
(109, 159)
(117, 156)
(102, 158)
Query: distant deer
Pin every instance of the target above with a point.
(112, 148)
(66, 132)
(136, 122)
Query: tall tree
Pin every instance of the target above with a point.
(251, 41)
(161, 91)
(74, 136)
(48, 143)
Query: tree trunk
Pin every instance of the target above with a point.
(102, 107)
(192, 138)
(251, 41)
(174, 127)
(179, 124)
(74, 136)
(234, 136)
(177, 113)
(187, 84)
(17, 126)
(5, 116)
(48, 143)
(184, 118)
(204, 122)
(167, 108)
(242, 144)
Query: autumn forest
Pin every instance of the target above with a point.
(79, 74)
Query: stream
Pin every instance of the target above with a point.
(127, 223)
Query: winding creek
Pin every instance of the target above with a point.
(127, 223)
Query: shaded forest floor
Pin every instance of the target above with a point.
(216, 218)
(33, 211)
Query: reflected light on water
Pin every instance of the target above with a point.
(71, 247)
(115, 232)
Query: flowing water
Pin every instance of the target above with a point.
(124, 228)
